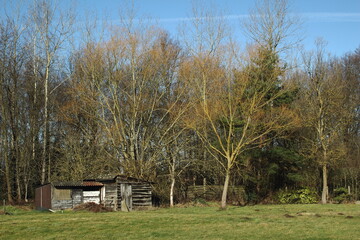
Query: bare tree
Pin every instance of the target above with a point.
(323, 110)
(234, 102)
(141, 80)
(238, 112)
(13, 57)
(351, 81)
(4, 41)
(79, 110)
(53, 28)
(272, 26)
(177, 158)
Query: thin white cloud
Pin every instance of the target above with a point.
(230, 17)
(310, 16)
(332, 16)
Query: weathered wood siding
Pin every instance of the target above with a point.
(91, 196)
(110, 198)
(118, 196)
(126, 197)
(61, 199)
(61, 204)
(77, 197)
(119, 193)
(132, 195)
(69, 198)
(141, 195)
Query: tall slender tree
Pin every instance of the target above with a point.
(53, 28)
(323, 110)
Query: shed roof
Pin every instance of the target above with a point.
(113, 176)
(78, 184)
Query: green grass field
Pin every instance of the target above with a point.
(251, 222)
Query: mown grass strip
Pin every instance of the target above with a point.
(251, 222)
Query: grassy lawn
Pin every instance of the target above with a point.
(252, 222)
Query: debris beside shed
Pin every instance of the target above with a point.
(92, 207)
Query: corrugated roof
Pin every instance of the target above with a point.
(108, 176)
(113, 176)
(92, 184)
(78, 184)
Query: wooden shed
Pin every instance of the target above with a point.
(118, 192)
(124, 193)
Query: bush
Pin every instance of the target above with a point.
(200, 201)
(301, 196)
(341, 194)
(252, 197)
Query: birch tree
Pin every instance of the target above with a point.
(4, 42)
(323, 111)
(53, 29)
(13, 119)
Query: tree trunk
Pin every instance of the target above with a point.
(33, 126)
(225, 190)
(325, 190)
(43, 165)
(17, 171)
(46, 84)
(18, 186)
(26, 188)
(172, 190)
(7, 177)
(5, 143)
(49, 167)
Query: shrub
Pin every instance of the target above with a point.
(300, 196)
(341, 194)
(252, 197)
(199, 201)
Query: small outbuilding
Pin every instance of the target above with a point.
(119, 192)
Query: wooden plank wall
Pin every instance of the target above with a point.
(141, 194)
(110, 198)
(77, 197)
(69, 198)
(62, 204)
(61, 199)
(91, 196)
(126, 197)
(118, 196)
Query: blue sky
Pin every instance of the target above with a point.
(336, 21)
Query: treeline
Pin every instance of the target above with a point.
(200, 110)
